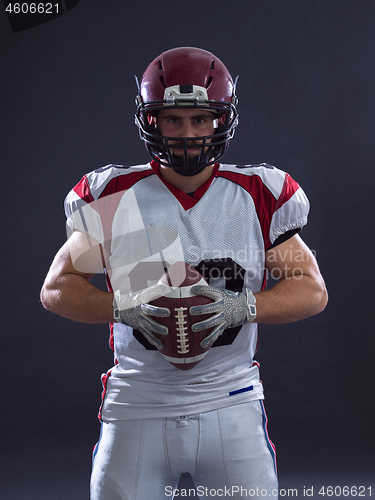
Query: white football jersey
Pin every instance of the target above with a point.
(223, 230)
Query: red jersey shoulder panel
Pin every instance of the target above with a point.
(269, 187)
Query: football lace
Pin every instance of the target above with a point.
(182, 341)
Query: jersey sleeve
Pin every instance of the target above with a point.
(290, 211)
(279, 201)
(81, 210)
(92, 203)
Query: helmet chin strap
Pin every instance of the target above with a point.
(193, 166)
(188, 166)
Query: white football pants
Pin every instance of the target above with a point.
(227, 452)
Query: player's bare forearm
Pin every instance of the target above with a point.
(67, 290)
(75, 298)
(291, 299)
(300, 292)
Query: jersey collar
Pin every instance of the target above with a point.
(187, 201)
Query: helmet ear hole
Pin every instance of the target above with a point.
(222, 119)
(151, 119)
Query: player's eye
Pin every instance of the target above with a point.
(173, 120)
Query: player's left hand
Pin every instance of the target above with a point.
(229, 309)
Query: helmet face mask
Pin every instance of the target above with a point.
(186, 78)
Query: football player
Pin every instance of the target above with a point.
(234, 225)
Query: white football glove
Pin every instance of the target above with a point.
(133, 309)
(230, 309)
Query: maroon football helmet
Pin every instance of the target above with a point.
(180, 78)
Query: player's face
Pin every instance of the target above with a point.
(191, 122)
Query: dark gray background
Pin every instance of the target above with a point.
(306, 103)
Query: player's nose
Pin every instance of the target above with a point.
(187, 129)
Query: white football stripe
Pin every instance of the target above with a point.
(180, 361)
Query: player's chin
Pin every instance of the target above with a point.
(191, 152)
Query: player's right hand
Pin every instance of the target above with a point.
(133, 309)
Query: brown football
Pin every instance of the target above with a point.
(182, 346)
